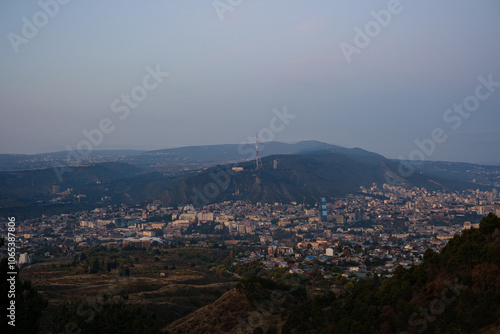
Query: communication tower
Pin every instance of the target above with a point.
(258, 162)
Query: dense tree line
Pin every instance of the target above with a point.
(454, 291)
(106, 314)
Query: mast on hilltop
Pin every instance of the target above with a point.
(258, 162)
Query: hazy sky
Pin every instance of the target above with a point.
(229, 67)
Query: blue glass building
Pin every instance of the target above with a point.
(323, 209)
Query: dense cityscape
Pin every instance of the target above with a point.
(378, 229)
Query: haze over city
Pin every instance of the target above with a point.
(230, 66)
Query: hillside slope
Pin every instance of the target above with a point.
(219, 317)
(298, 178)
(301, 178)
(24, 187)
(455, 291)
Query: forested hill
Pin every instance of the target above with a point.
(455, 291)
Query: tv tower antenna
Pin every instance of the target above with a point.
(258, 162)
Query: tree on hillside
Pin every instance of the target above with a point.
(458, 288)
(489, 224)
(95, 267)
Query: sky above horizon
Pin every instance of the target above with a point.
(93, 75)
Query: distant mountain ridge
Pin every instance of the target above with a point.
(244, 151)
(189, 154)
(25, 187)
(298, 178)
(318, 170)
(10, 162)
(194, 157)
